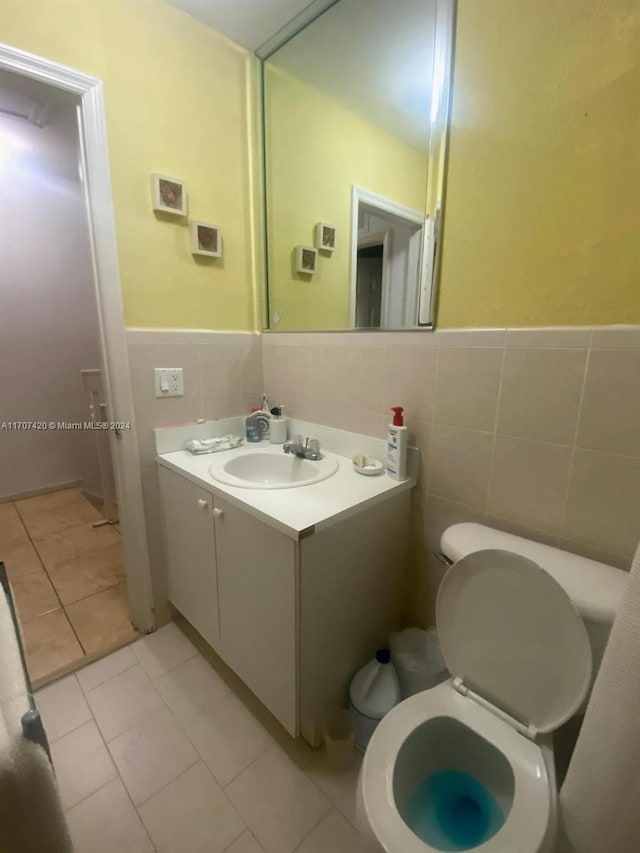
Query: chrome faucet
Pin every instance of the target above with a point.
(303, 448)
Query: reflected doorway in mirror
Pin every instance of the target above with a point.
(391, 275)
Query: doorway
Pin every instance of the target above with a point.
(70, 467)
(390, 279)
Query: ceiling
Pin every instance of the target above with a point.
(249, 22)
(335, 54)
(374, 58)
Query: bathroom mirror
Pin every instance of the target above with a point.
(355, 117)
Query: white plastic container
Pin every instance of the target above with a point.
(374, 691)
(337, 729)
(416, 656)
(278, 429)
(397, 441)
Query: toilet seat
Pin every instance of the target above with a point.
(520, 661)
(531, 810)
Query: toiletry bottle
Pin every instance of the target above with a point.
(397, 446)
(278, 427)
(252, 426)
(263, 418)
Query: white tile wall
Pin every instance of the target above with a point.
(222, 377)
(532, 430)
(535, 431)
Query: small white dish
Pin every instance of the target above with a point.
(367, 466)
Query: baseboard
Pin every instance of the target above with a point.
(43, 490)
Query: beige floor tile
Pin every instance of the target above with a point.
(163, 650)
(192, 689)
(54, 519)
(245, 844)
(336, 834)
(278, 801)
(34, 595)
(84, 576)
(63, 707)
(152, 753)
(106, 668)
(48, 501)
(102, 620)
(20, 558)
(229, 738)
(119, 703)
(73, 543)
(50, 644)
(11, 526)
(7, 510)
(192, 813)
(106, 822)
(16, 549)
(82, 764)
(338, 784)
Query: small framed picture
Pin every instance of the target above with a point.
(206, 239)
(169, 195)
(325, 237)
(306, 259)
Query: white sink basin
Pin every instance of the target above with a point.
(271, 470)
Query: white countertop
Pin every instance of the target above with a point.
(297, 512)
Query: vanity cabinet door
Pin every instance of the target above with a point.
(257, 588)
(191, 552)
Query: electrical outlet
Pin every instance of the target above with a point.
(169, 382)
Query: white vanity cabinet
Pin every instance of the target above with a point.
(190, 550)
(257, 597)
(294, 616)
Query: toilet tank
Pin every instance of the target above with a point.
(595, 589)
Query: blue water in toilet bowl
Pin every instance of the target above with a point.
(450, 810)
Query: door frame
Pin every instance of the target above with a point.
(359, 196)
(94, 157)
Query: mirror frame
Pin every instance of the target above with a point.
(430, 261)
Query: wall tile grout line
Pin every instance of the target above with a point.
(575, 437)
(495, 432)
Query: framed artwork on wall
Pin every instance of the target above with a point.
(306, 260)
(325, 237)
(168, 195)
(206, 239)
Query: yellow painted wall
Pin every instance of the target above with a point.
(317, 151)
(542, 220)
(178, 100)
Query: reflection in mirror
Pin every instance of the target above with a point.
(355, 109)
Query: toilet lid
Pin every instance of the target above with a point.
(510, 632)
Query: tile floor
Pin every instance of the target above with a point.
(67, 578)
(155, 749)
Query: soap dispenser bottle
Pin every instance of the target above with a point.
(278, 428)
(397, 441)
(252, 426)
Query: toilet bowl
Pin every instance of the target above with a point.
(468, 765)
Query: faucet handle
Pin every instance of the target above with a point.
(314, 447)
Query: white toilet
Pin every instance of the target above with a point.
(468, 765)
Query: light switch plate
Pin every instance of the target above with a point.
(169, 381)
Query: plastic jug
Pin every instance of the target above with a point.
(416, 656)
(374, 690)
